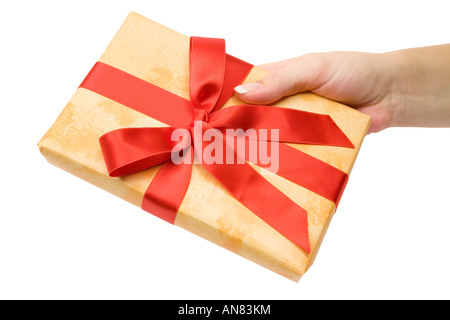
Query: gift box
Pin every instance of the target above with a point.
(244, 208)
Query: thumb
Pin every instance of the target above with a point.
(295, 77)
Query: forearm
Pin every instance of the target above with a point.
(420, 87)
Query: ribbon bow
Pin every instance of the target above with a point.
(213, 75)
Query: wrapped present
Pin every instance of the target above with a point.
(153, 84)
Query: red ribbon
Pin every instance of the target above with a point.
(213, 75)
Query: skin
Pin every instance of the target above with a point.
(406, 88)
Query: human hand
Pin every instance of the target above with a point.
(400, 88)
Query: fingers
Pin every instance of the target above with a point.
(288, 77)
(275, 66)
(380, 117)
(269, 89)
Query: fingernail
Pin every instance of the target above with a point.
(248, 87)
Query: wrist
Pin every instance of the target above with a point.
(399, 69)
(418, 94)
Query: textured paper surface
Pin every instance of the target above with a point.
(160, 55)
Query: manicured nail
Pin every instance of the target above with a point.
(248, 87)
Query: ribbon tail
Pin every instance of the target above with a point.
(312, 173)
(167, 189)
(260, 197)
(299, 168)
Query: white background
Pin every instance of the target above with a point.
(62, 238)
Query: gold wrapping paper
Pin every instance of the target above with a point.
(160, 55)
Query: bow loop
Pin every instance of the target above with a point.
(294, 126)
(131, 150)
(207, 71)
